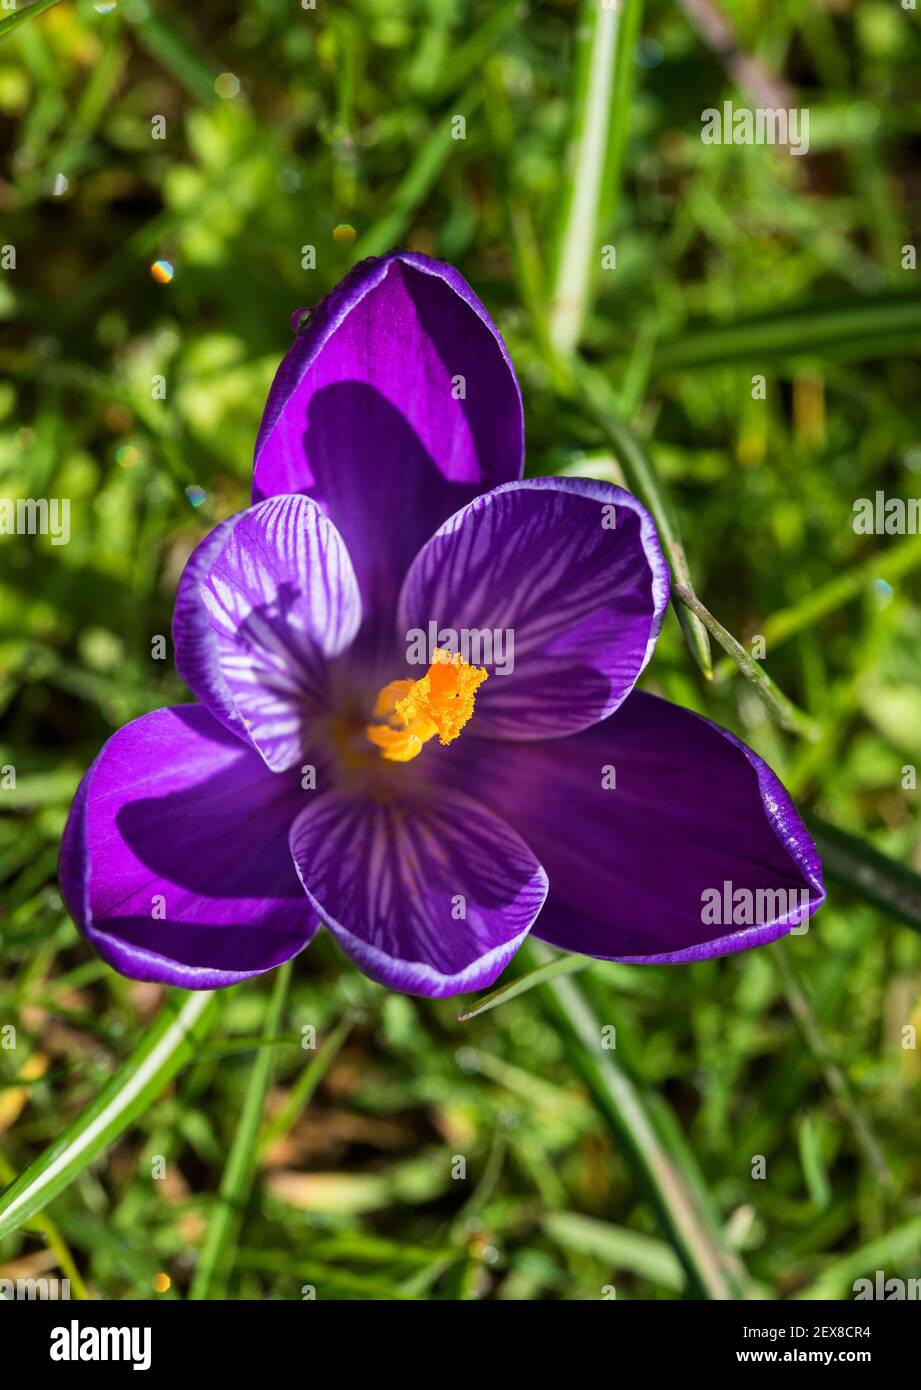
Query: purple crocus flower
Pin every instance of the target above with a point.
(429, 815)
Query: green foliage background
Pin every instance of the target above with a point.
(731, 262)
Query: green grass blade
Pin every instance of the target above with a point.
(308, 1081)
(174, 52)
(868, 874)
(779, 705)
(624, 1250)
(812, 1161)
(9, 26)
(625, 69)
(594, 106)
(857, 329)
(470, 55)
(712, 1268)
(44, 1226)
(390, 229)
(216, 1259)
(595, 397)
(560, 965)
(801, 1008)
(892, 564)
(644, 481)
(166, 1047)
(891, 1252)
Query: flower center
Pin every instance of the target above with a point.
(440, 703)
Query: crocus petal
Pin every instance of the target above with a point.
(175, 859)
(567, 570)
(430, 898)
(282, 600)
(395, 405)
(636, 820)
(194, 639)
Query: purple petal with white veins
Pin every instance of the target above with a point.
(175, 859)
(396, 404)
(282, 600)
(641, 823)
(194, 640)
(558, 587)
(430, 897)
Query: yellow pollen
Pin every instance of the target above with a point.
(440, 703)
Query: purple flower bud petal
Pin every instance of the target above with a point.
(394, 406)
(641, 823)
(175, 860)
(432, 897)
(557, 586)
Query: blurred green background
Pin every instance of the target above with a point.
(334, 127)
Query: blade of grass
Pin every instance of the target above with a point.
(892, 565)
(645, 482)
(228, 1047)
(801, 1007)
(215, 1262)
(165, 1048)
(625, 69)
(44, 1226)
(891, 1251)
(629, 1251)
(523, 241)
(604, 86)
(760, 85)
(173, 50)
(788, 715)
(595, 396)
(419, 179)
(714, 1271)
(855, 329)
(338, 1283)
(469, 56)
(9, 26)
(866, 872)
(812, 1162)
(307, 1082)
(560, 965)
(600, 113)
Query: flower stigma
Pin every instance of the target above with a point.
(440, 703)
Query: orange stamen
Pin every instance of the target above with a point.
(440, 703)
